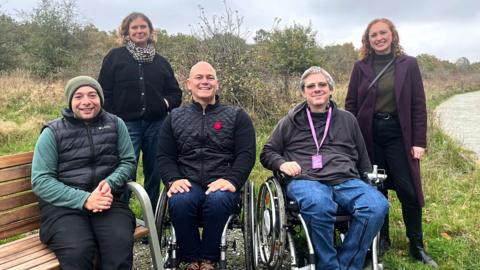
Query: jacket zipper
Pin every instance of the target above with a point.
(93, 163)
(202, 148)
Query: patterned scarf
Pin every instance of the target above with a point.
(140, 54)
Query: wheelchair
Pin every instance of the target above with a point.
(243, 220)
(282, 235)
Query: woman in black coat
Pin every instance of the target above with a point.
(140, 87)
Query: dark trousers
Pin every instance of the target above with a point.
(390, 154)
(76, 236)
(144, 136)
(189, 209)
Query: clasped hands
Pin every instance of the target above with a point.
(183, 185)
(100, 199)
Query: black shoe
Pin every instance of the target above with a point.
(144, 240)
(420, 254)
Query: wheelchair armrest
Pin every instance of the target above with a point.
(149, 218)
(282, 177)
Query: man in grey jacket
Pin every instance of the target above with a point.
(322, 149)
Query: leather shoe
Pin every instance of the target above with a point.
(420, 254)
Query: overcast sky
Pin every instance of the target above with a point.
(448, 29)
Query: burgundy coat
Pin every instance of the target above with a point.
(411, 107)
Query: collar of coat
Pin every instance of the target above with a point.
(209, 107)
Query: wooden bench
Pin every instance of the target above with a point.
(20, 214)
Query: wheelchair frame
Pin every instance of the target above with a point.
(279, 219)
(244, 220)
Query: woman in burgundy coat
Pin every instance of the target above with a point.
(393, 118)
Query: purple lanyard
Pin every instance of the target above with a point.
(312, 127)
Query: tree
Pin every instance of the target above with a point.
(290, 50)
(8, 43)
(181, 51)
(339, 60)
(221, 41)
(51, 41)
(90, 47)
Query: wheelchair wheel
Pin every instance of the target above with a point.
(271, 220)
(248, 223)
(166, 233)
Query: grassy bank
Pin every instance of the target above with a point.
(450, 177)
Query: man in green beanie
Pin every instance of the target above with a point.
(80, 167)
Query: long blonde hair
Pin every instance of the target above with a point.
(366, 50)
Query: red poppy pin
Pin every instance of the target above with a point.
(217, 125)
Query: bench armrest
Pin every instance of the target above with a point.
(149, 218)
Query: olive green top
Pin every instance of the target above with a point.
(385, 101)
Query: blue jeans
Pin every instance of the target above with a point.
(144, 135)
(189, 209)
(318, 205)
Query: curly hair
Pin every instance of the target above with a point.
(366, 50)
(122, 31)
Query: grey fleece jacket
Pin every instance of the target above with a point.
(344, 153)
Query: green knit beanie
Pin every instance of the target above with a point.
(77, 82)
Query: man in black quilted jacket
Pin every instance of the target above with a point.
(206, 153)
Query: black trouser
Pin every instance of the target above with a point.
(390, 154)
(76, 236)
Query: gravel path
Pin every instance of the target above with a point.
(142, 259)
(459, 117)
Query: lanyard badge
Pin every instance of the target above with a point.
(317, 160)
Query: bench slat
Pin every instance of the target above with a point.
(18, 245)
(34, 261)
(50, 265)
(14, 160)
(7, 203)
(30, 253)
(16, 172)
(19, 214)
(32, 248)
(15, 186)
(16, 228)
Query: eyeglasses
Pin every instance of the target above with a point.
(312, 86)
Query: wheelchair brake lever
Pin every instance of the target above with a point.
(377, 176)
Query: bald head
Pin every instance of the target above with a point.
(202, 66)
(203, 83)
